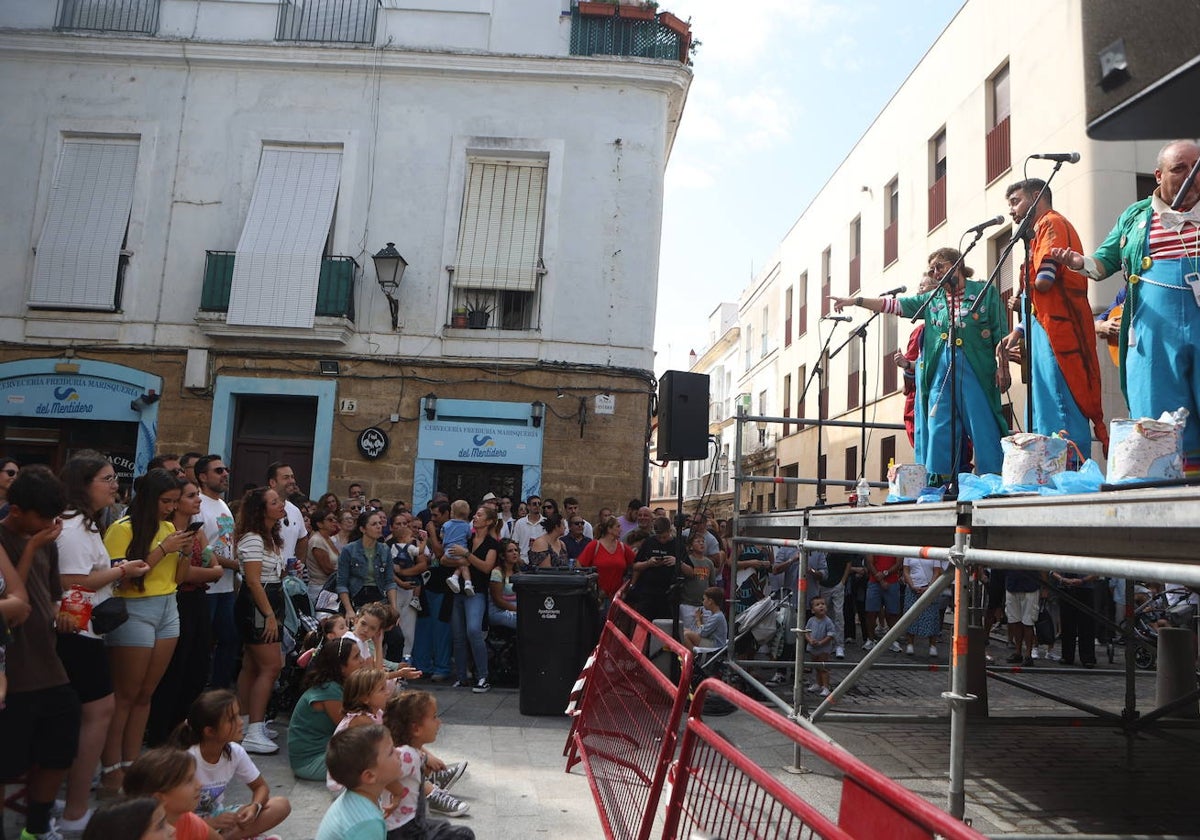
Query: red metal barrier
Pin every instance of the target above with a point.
(626, 729)
(718, 791)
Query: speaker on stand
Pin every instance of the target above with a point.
(682, 416)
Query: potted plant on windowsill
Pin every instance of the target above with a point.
(478, 313)
(458, 318)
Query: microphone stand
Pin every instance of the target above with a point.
(818, 372)
(1187, 185)
(860, 333)
(1023, 232)
(946, 284)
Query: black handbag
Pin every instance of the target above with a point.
(108, 615)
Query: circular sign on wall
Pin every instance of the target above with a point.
(372, 443)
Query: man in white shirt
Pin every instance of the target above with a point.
(529, 527)
(212, 476)
(282, 479)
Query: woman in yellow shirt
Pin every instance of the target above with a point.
(141, 648)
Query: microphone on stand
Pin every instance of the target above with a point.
(836, 318)
(899, 290)
(1061, 157)
(995, 220)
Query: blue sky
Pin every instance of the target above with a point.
(782, 91)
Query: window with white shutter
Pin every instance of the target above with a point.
(499, 257)
(278, 262)
(78, 259)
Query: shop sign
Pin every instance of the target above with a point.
(486, 442)
(68, 397)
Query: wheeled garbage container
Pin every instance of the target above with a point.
(557, 623)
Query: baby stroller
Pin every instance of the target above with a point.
(1174, 605)
(764, 626)
(298, 622)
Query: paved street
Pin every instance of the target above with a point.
(1065, 777)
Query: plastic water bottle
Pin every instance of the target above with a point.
(863, 491)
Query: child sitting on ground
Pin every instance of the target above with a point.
(412, 718)
(457, 531)
(712, 629)
(364, 762)
(367, 632)
(331, 628)
(211, 734)
(821, 633)
(169, 775)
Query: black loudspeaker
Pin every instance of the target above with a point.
(683, 416)
(1141, 68)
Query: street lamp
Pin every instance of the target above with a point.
(538, 411)
(431, 406)
(389, 270)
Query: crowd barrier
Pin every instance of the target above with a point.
(625, 731)
(627, 723)
(717, 792)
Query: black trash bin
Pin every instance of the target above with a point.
(557, 620)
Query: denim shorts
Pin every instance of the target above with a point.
(151, 618)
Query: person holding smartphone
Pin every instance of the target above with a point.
(184, 681)
(140, 650)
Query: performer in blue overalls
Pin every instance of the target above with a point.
(1158, 249)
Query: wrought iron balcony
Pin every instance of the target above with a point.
(108, 15)
(327, 21)
(635, 31)
(335, 288)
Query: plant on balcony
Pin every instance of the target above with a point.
(479, 312)
(458, 318)
(638, 11)
(673, 23)
(594, 9)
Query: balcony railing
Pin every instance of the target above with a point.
(617, 32)
(335, 288)
(997, 148)
(108, 15)
(327, 21)
(855, 271)
(937, 202)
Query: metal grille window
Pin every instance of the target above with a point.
(108, 15)
(327, 21)
(826, 280)
(78, 260)
(1004, 280)
(854, 379)
(802, 315)
(278, 264)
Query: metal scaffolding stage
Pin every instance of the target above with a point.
(1136, 534)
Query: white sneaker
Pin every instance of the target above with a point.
(840, 652)
(453, 585)
(908, 649)
(812, 688)
(895, 648)
(415, 604)
(468, 587)
(868, 644)
(1052, 656)
(270, 731)
(1033, 654)
(824, 692)
(257, 742)
(933, 650)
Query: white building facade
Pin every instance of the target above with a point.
(195, 191)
